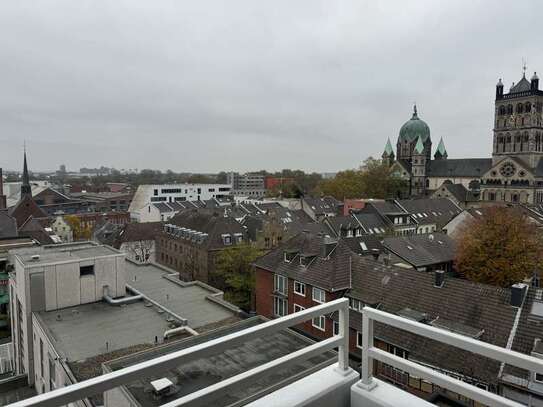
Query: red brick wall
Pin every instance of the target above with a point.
(263, 291)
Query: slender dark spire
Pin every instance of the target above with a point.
(26, 189)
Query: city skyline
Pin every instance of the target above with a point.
(316, 87)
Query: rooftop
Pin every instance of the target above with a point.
(198, 303)
(216, 367)
(64, 253)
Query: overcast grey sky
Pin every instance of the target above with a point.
(203, 86)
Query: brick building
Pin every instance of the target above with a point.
(191, 241)
(309, 269)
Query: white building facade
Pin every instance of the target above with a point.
(165, 193)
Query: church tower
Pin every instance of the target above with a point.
(388, 154)
(441, 152)
(26, 189)
(410, 133)
(518, 124)
(418, 168)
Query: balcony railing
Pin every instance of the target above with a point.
(161, 364)
(370, 353)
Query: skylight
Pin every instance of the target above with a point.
(363, 246)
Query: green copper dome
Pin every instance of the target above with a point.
(414, 128)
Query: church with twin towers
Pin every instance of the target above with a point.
(514, 173)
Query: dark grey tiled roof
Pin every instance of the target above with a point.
(332, 273)
(212, 223)
(339, 223)
(322, 205)
(422, 250)
(472, 307)
(463, 167)
(386, 207)
(431, 211)
(371, 221)
(364, 245)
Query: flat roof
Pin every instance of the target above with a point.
(188, 300)
(211, 369)
(49, 255)
(92, 329)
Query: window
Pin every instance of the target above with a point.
(356, 305)
(289, 256)
(298, 308)
(359, 339)
(299, 288)
(538, 377)
(280, 284)
(319, 295)
(319, 322)
(86, 271)
(279, 306)
(227, 239)
(336, 328)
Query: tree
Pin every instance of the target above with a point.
(234, 265)
(79, 230)
(141, 249)
(501, 248)
(372, 180)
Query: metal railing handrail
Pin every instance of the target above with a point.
(369, 352)
(163, 363)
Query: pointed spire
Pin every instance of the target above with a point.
(441, 151)
(26, 189)
(388, 148)
(419, 147)
(415, 116)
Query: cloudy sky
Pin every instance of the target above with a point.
(204, 86)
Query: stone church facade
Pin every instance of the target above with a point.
(513, 174)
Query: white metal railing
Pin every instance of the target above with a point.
(369, 353)
(161, 364)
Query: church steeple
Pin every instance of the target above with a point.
(441, 152)
(26, 189)
(388, 154)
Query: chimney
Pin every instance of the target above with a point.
(2, 196)
(517, 294)
(439, 278)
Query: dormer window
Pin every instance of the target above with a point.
(288, 256)
(226, 239)
(304, 261)
(238, 237)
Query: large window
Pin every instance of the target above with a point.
(299, 288)
(320, 322)
(280, 284)
(279, 306)
(319, 295)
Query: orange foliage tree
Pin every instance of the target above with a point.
(501, 248)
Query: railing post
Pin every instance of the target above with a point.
(343, 351)
(367, 343)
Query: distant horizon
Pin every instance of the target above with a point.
(203, 86)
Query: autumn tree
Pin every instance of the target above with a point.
(372, 180)
(234, 265)
(80, 230)
(501, 248)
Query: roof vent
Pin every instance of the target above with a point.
(35, 257)
(162, 387)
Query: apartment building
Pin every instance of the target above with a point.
(75, 306)
(166, 193)
(247, 185)
(309, 270)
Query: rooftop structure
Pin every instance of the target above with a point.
(261, 385)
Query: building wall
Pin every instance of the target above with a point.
(193, 262)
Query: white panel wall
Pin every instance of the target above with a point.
(121, 275)
(50, 288)
(68, 286)
(88, 289)
(104, 272)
